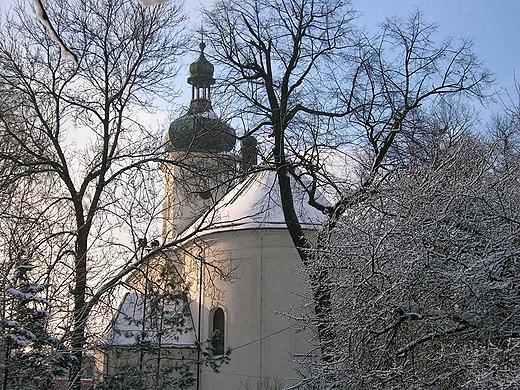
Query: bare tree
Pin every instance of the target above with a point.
(424, 275)
(505, 126)
(308, 82)
(41, 14)
(75, 126)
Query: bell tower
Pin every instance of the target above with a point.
(199, 145)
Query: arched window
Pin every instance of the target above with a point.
(217, 340)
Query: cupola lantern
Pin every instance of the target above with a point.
(201, 79)
(200, 130)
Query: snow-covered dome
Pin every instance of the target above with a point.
(255, 203)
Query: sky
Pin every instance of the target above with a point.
(493, 26)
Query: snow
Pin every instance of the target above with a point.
(17, 333)
(18, 340)
(256, 203)
(28, 267)
(11, 324)
(128, 330)
(29, 297)
(36, 288)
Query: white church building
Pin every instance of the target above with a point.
(239, 272)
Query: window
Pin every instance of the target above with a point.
(205, 194)
(217, 340)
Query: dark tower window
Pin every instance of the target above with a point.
(205, 194)
(217, 340)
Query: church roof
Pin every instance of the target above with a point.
(255, 203)
(144, 320)
(201, 70)
(200, 130)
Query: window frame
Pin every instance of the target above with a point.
(218, 344)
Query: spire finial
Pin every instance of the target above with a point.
(202, 45)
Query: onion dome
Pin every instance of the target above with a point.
(202, 132)
(201, 71)
(200, 129)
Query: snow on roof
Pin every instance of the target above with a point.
(154, 321)
(255, 203)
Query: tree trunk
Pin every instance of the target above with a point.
(78, 331)
(319, 286)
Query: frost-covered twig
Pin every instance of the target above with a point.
(40, 12)
(148, 3)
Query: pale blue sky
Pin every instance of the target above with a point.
(492, 25)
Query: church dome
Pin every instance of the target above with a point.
(201, 132)
(201, 69)
(200, 129)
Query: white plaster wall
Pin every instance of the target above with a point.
(183, 203)
(265, 284)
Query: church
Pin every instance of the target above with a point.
(216, 308)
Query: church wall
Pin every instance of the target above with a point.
(264, 284)
(191, 191)
(149, 368)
